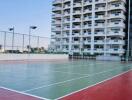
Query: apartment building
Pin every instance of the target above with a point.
(91, 27)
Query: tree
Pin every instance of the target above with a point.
(42, 49)
(28, 46)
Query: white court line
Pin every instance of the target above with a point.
(97, 63)
(68, 72)
(74, 65)
(71, 72)
(92, 85)
(70, 80)
(23, 93)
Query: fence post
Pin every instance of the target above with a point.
(38, 42)
(13, 35)
(23, 43)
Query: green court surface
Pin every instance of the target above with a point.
(53, 80)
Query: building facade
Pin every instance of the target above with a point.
(91, 27)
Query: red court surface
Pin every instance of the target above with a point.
(118, 88)
(10, 95)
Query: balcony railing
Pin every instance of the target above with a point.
(99, 41)
(56, 15)
(57, 1)
(119, 33)
(115, 50)
(56, 8)
(77, 5)
(122, 42)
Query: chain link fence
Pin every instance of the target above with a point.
(19, 43)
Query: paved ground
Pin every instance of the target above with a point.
(118, 88)
(10, 95)
(58, 79)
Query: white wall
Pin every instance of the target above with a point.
(108, 58)
(33, 56)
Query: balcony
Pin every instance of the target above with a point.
(56, 9)
(57, 42)
(86, 42)
(116, 33)
(117, 0)
(87, 18)
(77, 12)
(65, 42)
(65, 50)
(67, 7)
(76, 34)
(56, 22)
(100, 9)
(66, 28)
(56, 29)
(120, 6)
(100, 1)
(88, 11)
(66, 35)
(76, 19)
(66, 21)
(117, 15)
(116, 24)
(77, 5)
(87, 50)
(99, 25)
(88, 2)
(66, 1)
(87, 34)
(52, 36)
(56, 15)
(87, 26)
(76, 50)
(76, 27)
(97, 17)
(115, 50)
(57, 36)
(76, 42)
(121, 42)
(98, 41)
(99, 50)
(99, 34)
(66, 13)
(58, 49)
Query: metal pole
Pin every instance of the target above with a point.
(4, 41)
(31, 27)
(128, 40)
(13, 40)
(29, 39)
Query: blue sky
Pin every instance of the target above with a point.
(23, 13)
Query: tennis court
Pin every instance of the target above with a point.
(51, 80)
